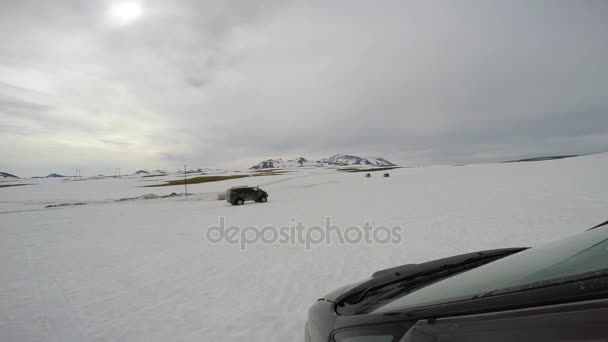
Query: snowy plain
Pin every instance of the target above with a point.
(142, 270)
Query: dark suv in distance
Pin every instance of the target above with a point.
(555, 292)
(238, 195)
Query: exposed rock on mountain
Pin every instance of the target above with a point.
(337, 160)
(284, 164)
(55, 175)
(345, 159)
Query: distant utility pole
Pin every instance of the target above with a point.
(185, 183)
(77, 173)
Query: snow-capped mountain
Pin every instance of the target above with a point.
(337, 160)
(283, 164)
(345, 159)
(5, 175)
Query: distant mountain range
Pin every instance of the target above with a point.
(52, 175)
(55, 175)
(7, 175)
(283, 164)
(345, 159)
(337, 160)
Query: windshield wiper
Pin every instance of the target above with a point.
(599, 225)
(431, 274)
(408, 286)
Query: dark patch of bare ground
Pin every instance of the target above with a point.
(270, 172)
(9, 185)
(207, 179)
(63, 205)
(196, 180)
(371, 169)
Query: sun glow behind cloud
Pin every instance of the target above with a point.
(125, 12)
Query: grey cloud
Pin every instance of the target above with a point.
(11, 105)
(211, 82)
(196, 82)
(34, 118)
(10, 129)
(116, 143)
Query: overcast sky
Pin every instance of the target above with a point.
(97, 85)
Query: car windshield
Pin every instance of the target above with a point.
(577, 255)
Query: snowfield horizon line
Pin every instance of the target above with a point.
(297, 233)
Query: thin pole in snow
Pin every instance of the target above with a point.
(185, 183)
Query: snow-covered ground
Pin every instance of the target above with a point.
(142, 270)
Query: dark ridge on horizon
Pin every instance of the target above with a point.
(543, 158)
